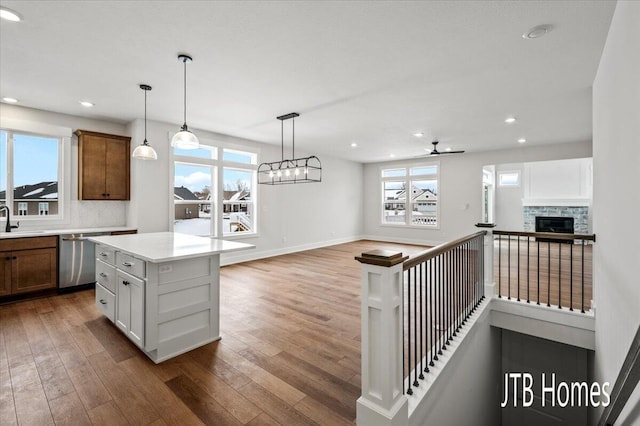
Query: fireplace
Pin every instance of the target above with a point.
(556, 224)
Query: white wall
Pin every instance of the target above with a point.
(82, 214)
(460, 191)
(616, 198)
(561, 180)
(291, 217)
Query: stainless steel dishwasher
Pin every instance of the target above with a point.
(77, 261)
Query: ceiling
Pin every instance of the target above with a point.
(371, 73)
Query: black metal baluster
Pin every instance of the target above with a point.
(415, 329)
(560, 275)
(518, 268)
(571, 277)
(528, 270)
(499, 266)
(409, 390)
(549, 273)
(421, 314)
(441, 302)
(427, 308)
(538, 270)
(509, 267)
(435, 308)
(582, 278)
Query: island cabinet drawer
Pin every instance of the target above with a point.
(106, 275)
(106, 302)
(106, 254)
(131, 265)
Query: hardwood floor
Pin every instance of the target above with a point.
(289, 354)
(558, 278)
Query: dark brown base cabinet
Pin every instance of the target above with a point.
(28, 265)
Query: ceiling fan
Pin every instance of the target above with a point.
(435, 151)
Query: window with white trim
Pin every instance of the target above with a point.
(214, 191)
(509, 178)
(410, 195)
(30, 172)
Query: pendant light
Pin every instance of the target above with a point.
(144, 151)
(185, 139)
(297, 170)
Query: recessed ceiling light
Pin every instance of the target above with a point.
(537, 31)
(418, 134)
(392, 155)
(448, 149)
(86, 104)
(10, 100)
(9, 15)
(510, 120)
(354, 145)
(522, 140)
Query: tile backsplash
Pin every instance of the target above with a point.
(92, 214)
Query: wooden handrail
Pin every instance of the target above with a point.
(550, 235)
(442, 248)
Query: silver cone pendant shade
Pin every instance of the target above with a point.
(185, 139)
(145, 151)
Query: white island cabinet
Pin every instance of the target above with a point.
(162, 290)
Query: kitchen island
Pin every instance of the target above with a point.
(162, 290)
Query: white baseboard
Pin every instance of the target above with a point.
(230, 259)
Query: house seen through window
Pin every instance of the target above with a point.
(214, 195)
(30, 173)
(410, 196)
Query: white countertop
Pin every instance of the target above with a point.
(19, 233)
(166, 246)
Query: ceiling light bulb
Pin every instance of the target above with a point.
(279, 173)
(354, 145)
(86, 104)
(297, 172)
(522, 140)
(287, 172)
(510, 120)
(10, 100)
(270, 173)
(418, 134)
(306, 170)
(10, 15)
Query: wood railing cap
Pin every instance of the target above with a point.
(379, 257)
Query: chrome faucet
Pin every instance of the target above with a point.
(9, 226)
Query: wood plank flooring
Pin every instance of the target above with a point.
(289, 354)
(553, 275)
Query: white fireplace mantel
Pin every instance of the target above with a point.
(555, 202)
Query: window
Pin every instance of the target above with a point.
(43, 209)
(413, 190)
(509, 178)
(212, 195)
(30, 172)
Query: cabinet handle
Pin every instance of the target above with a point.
(103, 302)
(103, 275)
(127, 264)
(14, 257)
(8, 258)
(103, 254)
(125, 282)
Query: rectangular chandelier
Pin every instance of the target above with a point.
(296, 170)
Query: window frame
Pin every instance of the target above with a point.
(218, 165)
(40, 130)
(509, 172)
(407, 180)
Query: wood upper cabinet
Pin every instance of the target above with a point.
(28, 264)
(103, 166)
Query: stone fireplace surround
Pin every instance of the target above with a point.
(580, 215)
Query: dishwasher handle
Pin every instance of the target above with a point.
(75, 239)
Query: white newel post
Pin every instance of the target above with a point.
(489, 283)
(382, 401)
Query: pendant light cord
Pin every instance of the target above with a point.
(145, 116)
(282, 140)
(293, 137)
(184, 62)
